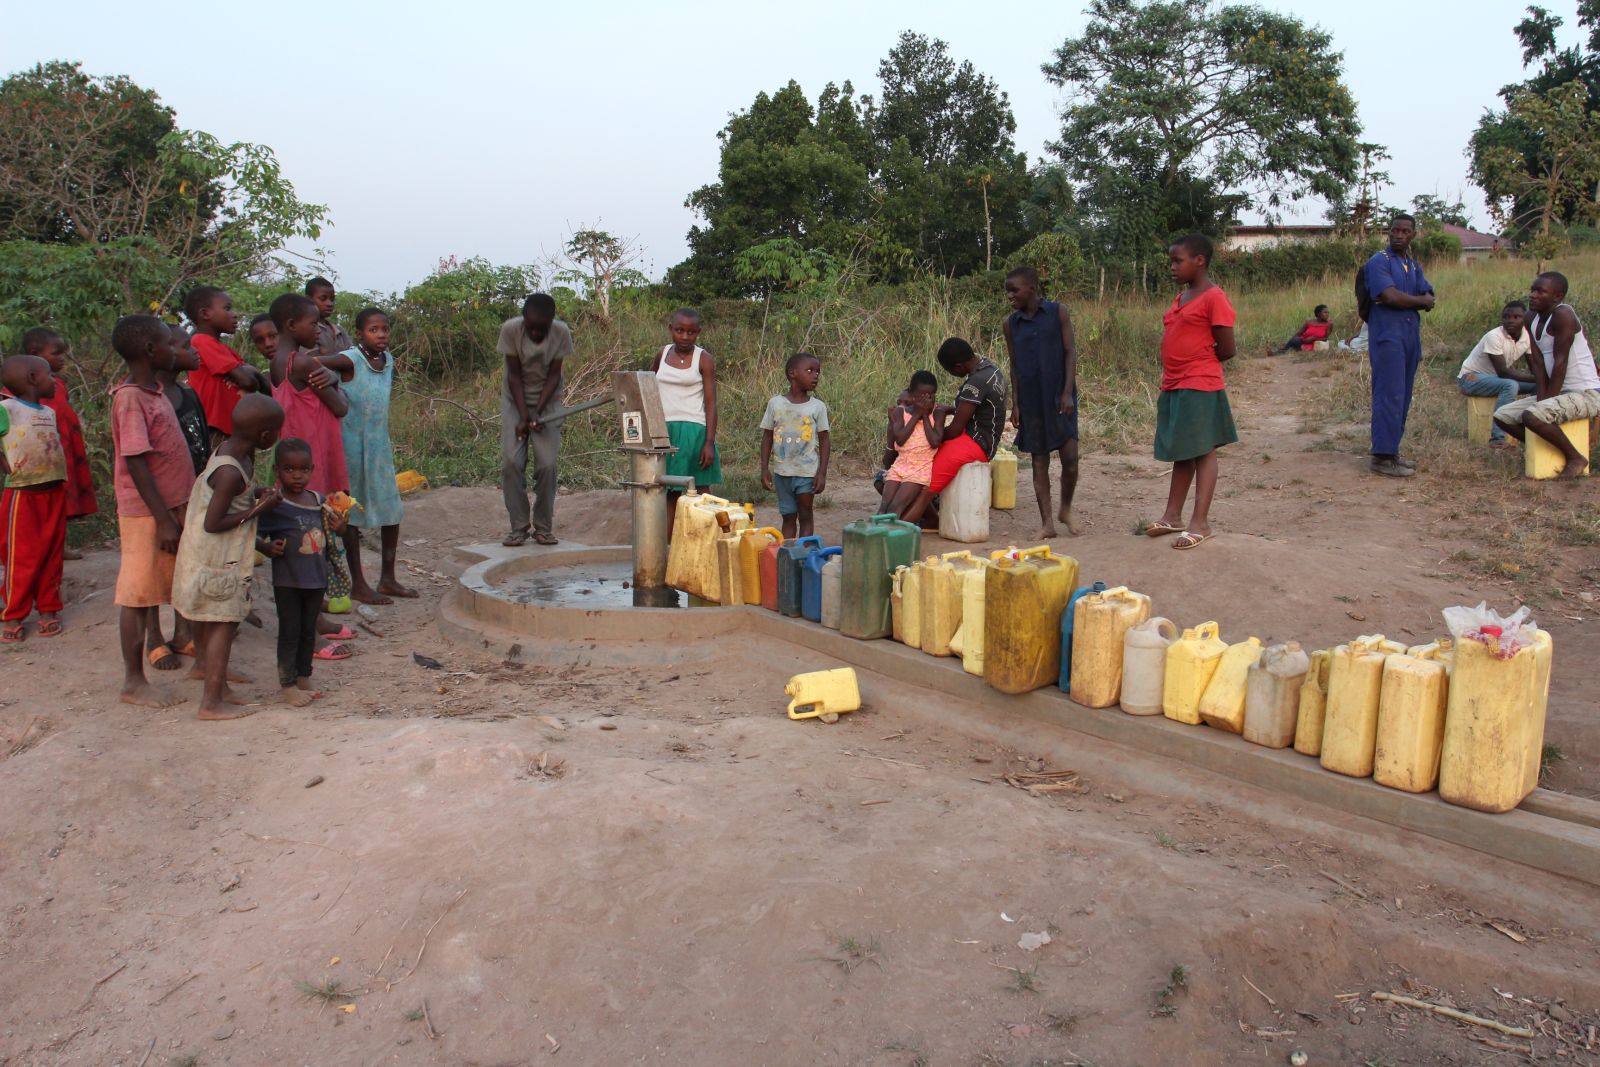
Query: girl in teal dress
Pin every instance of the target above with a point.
(370, 458)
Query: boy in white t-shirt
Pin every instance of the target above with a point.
(1566, 382)
(1491, 367)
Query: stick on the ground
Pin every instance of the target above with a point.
(427, 1022)
(1458, 1016)
(884, 759)
(147, 1052)
(424, 946)
(177, 987)
(1342, 884)
(1257, 988)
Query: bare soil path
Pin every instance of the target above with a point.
(619, 855)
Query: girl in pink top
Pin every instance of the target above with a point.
(915, 435)
(310, 396)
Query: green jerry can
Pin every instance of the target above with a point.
(873, 548)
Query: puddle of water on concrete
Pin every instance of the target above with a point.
(597, 585)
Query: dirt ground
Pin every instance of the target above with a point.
(627, 854)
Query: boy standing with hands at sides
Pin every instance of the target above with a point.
(794, 445)
(1044, 377)
(222, 376)
(153, 475)
(211, 585)
(33, 505)
(1193, 418)
(535, 344)
(293, 534)
(52, 348)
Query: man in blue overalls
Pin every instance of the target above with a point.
(1394, 331)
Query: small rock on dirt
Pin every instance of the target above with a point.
(1031, 942)
(316, 780)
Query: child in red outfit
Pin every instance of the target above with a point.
(49, 346)
(310, 396)
(1317, 328)
(33, 507)
(223, 375)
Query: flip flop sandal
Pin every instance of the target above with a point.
(159, 655)
(343, 633)
(185, 649)
(1187, 540)
(50, 628)
(1159, 528)
(12, 635)
(547, 539)
(515, 539)
(333, 651)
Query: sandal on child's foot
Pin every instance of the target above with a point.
(12, 634)
(50, 628)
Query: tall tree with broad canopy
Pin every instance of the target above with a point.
(1180, 114)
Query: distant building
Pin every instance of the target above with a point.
(1255, 238)
(1475, 245)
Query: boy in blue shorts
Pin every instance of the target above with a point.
(794, 445)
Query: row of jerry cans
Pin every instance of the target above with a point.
(1451, 716)
(718, 556)
(1000, 613)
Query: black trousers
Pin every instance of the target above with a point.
(297, 631)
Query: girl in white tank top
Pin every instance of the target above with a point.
(687, 377)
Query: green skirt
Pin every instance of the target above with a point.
(1190, 423)
(689, 438)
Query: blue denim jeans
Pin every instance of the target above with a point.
(1504, 390)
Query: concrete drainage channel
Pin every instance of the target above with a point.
(576, 593)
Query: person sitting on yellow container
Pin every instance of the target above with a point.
(1566, 384)
(1491, 368)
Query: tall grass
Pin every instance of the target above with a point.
(445, 419)
(871, 340)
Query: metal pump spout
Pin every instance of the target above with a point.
(644, 437)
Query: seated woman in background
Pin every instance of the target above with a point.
(1317, 328)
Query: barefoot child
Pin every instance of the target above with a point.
(971, 429)
(293, 534)
(33, 505)
(211, 585)
(313, 405)
(223, 375)
(914, 433)
(369, 458)
(309, 394)
(153, 477)
(49, 346)
(1566, 383)
(1193, 418)
(1044, 381)
(162, 654)
(687, 377)
(794, 445)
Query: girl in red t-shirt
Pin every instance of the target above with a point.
(1193, 418)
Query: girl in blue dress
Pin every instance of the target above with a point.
(369, 456)
(1044, 378)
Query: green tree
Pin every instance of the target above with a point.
(1560, 185)
(1428, 208)
(1503, 132)
(952, 181)
(88, 160)
(1184, 114)
(787, 170)
(601, 263)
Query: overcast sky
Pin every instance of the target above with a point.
(493, 129)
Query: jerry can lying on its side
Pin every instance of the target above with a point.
(823, 692)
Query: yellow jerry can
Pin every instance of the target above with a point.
(1191, 661)
(1411, 710)
(1222, 704)
(1100, 624)
(1355, 684)
(823, 693)
(1313, 706)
